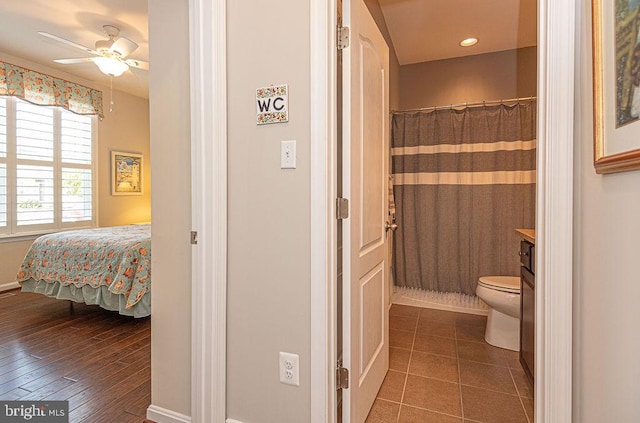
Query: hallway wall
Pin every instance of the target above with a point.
(169, 102)
(606, 369)
(269, 210)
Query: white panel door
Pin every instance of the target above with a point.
(365, 173)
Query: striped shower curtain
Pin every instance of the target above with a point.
(464, 180)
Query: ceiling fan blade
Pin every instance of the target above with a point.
(123, 47)
(73, 61)
(69, 43)
(140, 64)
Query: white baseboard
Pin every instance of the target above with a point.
(162, 415)
(8, 286)
(233, 421)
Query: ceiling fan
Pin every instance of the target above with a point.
(111, 55)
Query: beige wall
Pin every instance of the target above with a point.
(126, 128)
(11, 255)
(484, 77)
(171, 205)
(269, 213)
(606, 279)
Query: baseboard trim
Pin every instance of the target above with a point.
(233, 421)
(162, 415)
(9, 286)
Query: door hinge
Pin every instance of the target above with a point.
(342, 376)
(342, 208)
(194, 237)
(343, 37)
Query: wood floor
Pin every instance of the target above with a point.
(97, 360)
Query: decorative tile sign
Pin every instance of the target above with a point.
(272, 104)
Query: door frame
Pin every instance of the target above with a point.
(554, 210)
(208, 80)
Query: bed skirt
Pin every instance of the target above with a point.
(93, 296)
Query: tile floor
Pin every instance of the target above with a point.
(441, 370)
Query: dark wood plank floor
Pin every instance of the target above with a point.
(97, 360)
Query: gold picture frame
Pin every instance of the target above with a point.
(126, 173)
(616, 88)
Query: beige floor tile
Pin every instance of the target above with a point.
(438, 315)
(513, 359)
(471, 320)
(401, 339)
(403, 310)
(470, 333)
(435, 345)
(482, 352)
(434, 366)
(436, 328)
(417, 415)
(486, 376)
(406, 323)
(432, 394)
(529, 408)
(492, 407)
(522, 383)
(383, 412)
(392, 386)
(399, 359)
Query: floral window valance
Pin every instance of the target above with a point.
(45, 90)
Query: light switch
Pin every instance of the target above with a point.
(288, 154)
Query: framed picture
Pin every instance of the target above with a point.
(126, 173)
(616, 85)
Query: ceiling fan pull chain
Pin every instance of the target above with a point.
(110, 93)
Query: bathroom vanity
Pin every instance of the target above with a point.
(527, 301)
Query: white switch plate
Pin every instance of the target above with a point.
(288, 154)
(289, 368)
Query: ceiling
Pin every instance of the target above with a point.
(79, 21)
(426, 30)
(421, 30)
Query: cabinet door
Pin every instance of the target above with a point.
(527, 323)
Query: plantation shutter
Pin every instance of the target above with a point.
(34, 165)
(3, 165)
(75, 141)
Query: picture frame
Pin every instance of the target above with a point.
(126, 173)
(616, 85)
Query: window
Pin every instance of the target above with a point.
(46, 168)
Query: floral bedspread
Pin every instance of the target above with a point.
(118, 257)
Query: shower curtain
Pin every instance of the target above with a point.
(464, 180)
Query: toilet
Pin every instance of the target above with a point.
(502, 295)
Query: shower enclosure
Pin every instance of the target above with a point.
(464, 180)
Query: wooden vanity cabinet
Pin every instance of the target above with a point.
(527, 308)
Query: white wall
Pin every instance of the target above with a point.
(269, 213)
(607, 281)
(171, 205)
(127, 129)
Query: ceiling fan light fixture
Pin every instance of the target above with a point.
(110, 66)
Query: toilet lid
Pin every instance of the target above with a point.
(501, 283)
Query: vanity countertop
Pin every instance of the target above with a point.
(528, 234)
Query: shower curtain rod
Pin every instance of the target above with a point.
(475, 104)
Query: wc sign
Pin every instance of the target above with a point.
(272, 104)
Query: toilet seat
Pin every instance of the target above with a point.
(509, 284)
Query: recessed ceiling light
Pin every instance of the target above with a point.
(468, 42)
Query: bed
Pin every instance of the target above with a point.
(109, 267)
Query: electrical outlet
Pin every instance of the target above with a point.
(289, 369)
